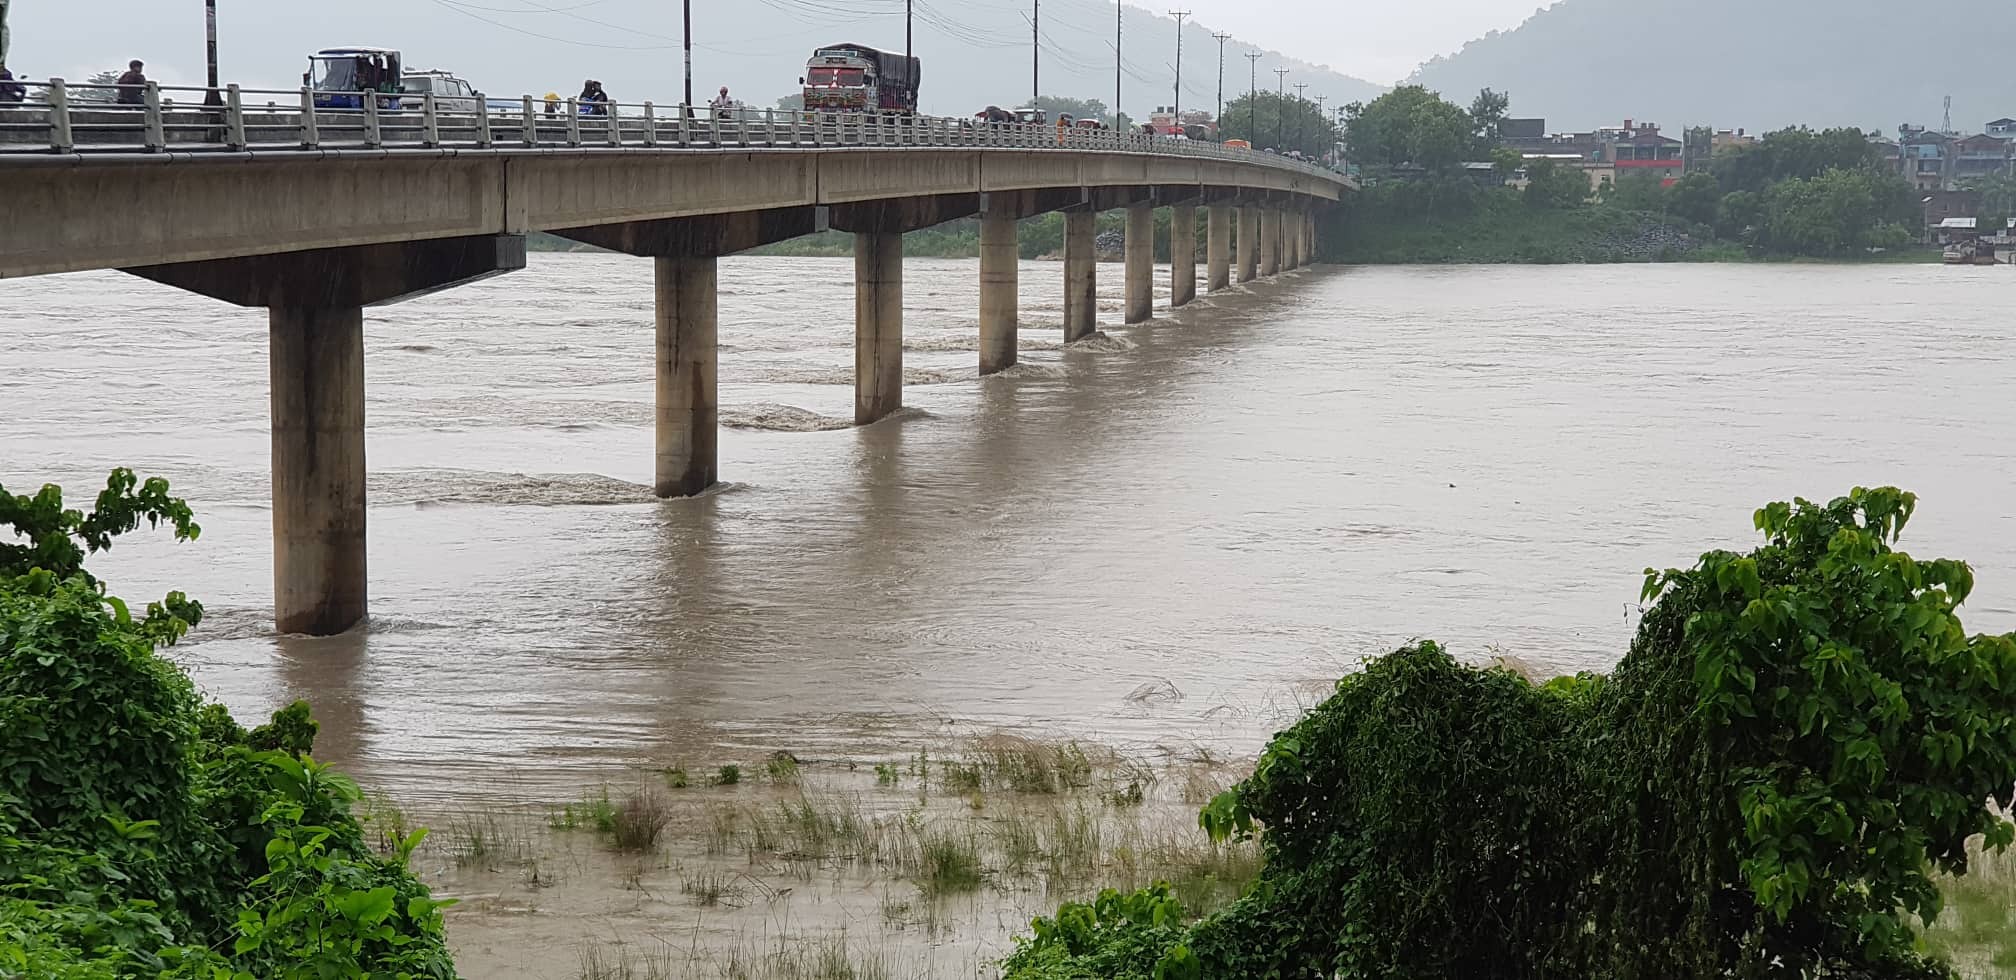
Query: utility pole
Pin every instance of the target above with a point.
(1322, 112)
(210, 37)
(909, 56)
(1035, 51)
(1252, 96)
(1299, 100)
(1215, 120)
(1176, 107)
(1119, 13)
(1280, 105)
(686, 38)
(3, 33)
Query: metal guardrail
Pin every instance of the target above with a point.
(61, 118)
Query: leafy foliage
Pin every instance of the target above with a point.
(1409, 126)
(1797, 740)
(1280, 122)
(145, 833)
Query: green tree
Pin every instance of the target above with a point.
(1551, 185)
(1638, 191)
(1797, 152)
(1695, 197)
(1266, 119)
(1409, 125)
(1487, 116)
(1056, 105)
(1998, 192)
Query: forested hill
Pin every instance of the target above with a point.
(1729, 63)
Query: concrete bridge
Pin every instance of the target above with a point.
(317, 213)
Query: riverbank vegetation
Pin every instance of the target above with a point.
(1801, 745)
(1795, 193)
(143, 833)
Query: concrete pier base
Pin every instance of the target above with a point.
(1081, 272)
(1182, 254)
(316, 358)
(878, 325)
(998, 285)
(1291, 237)
(1140, 255)
(1270, 242)
(1218, 247)
(1249, 243)
(688, 448)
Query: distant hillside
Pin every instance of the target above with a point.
(975, 52)
(1759, 64)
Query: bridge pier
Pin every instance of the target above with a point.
(315, 358)
(315, 303)
(999, 274)
(1270, 242)
(1249, 243)
(1182, 254)
(688, 368)
(1081, 275)
(1140, 256)
(878, 325)
(1218, 247)
(1291, 225)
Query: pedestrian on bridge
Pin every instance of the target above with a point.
(594, 101)
(132, 84)
(11, 92)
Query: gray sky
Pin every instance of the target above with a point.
(1379, 41)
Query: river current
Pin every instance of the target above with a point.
(1170, 536)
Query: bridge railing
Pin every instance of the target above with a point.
(57, 117)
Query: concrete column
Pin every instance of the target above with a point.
(1182, 254)
(1218, 246)
(688, 359)
(316, 358)
(1081, 276)
(1140, 255)
(1270, 242)
(1291, 240)
(1249, 243)
(1309, 236)
(998, 269)
(878, 324)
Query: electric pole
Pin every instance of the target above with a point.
(1119, 14)
(210, 39)
(3, 33)
(686, 41)
(1280, 105)
(1323, 113)
(1299, 100)
(1035, 51)
(1215, 121)
(1252, 96)
(909, 57)
(1176, 108)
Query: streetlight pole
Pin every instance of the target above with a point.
(210, 38)
(1176, 107)
(1252, 96)
(1215, 120)
(1280, 105)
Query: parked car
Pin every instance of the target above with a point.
(451, 94)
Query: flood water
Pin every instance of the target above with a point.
(1172, 536)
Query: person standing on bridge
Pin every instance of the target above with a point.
(11, 92)
(594, 101)
(132, 84)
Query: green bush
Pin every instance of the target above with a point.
(1797, 740)
(145, 833)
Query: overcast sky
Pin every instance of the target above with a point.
(1379, 41)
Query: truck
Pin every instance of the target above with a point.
(858, 78)
(338, 74)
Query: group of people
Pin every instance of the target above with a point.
(132, 86)
(593, 100)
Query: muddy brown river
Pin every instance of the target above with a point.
(1172, 535)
